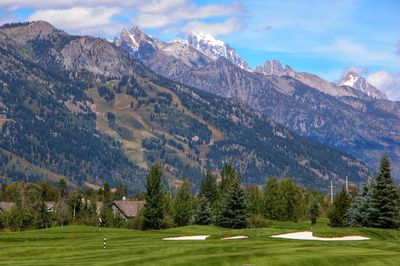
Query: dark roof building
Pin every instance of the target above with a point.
(6, 205)
(127, 208)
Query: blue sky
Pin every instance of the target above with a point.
(322, 37)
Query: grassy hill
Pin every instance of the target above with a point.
(74, 245)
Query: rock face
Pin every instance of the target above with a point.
(215, 49)
(82, 108)
(352, 79)
(343, 117)
(274, 67)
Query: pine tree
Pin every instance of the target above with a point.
(385, 199)
(183, 205)
(229, 179)
(360, 212)
(154, 208)
(208, 188)
(204, 215)
(337, 214)
(62, 188)
(233, 213)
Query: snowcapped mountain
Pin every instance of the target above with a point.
(275, 68)
(215, 48)
(137, 43)
(352, 79)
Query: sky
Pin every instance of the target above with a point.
(322, 37)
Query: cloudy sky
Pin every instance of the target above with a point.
(318, 36)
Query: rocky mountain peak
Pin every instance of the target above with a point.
(137, 43)
(30, 30)
(354, 80)
(273, 67)
(215, 48)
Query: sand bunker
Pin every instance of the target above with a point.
(234, 237)
(308, 236)
(199, 237)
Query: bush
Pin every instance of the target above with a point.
(167, 222)
(20, 220)
(258, 221)
(137, 223)
(3, 220)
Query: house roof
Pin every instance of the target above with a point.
(6, 205)
(50, 204)
(129, 208)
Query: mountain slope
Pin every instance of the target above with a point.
(82, 108)
(339, 116)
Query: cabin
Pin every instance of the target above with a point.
(6, 206)
(127, 209)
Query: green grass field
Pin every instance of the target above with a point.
(79, 245)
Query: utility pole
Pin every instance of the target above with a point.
(331, 186)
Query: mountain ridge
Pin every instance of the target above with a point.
(342, 117)
(92, 95)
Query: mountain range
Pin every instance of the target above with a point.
(83, 109)
(352, 116)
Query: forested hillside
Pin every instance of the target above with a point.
(79, 107)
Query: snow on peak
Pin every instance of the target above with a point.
(215, 48)
(137, 43)
(352, 79)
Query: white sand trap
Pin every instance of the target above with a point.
(199, 237)
(234, 237)
(309, 236)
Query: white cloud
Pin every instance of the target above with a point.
(398, 47)
(360, 70)
(77, 17)
(99, 16)
(65, 4)
(162, 13)
(7, 18)
(80, 19)
(387, 82)
(223, 28)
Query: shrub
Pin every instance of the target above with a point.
(258, 221)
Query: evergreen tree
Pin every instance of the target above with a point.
(271, 198)
(385, 199)
(204, 215)
(120, 192)
(337, 214)
(154, 208)
(233, 213)
(107, 199)
(359, 214)
(183, 205)
(229, 179)
(62, 188)
(208, 188)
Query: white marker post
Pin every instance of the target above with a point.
(105, 241)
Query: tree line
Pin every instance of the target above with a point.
(221, 201)
(378, 205)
